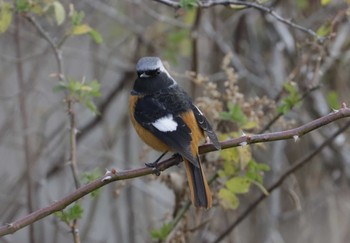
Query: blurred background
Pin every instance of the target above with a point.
(244, 68)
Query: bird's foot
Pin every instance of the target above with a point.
(154, 164)
(155, 167)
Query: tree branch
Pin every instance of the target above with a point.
(279, 182)
(212, 3)
(133, 173)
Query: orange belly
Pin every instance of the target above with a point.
(144, 134)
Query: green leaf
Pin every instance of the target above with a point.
(77, 17)
(96, 36)
(302, 4)
(81, 29)
(325, 2)
(238, 185)
(291, 100)
(332, 100)
(234, 114)
(230, 155)
(82, 92)
(229, 168)
(71, 213)
(325, 29)
(5, 16)
(228, 199)
(60, 13)
(22, 5)
(90, 176)
(262, 167)
(162, 233)
(249, 125)
(91, 106)
(61, 86)
(188, 4)
(95, 88)
(255, 171)
(75, 212)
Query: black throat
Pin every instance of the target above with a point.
(152, 84)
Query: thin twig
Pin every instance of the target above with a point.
(73, 162)
(57, 51)
(133, 173)
(279, 182)
(211, 3)
(56, 47)
(194, 45)
(73, 142)
(280, 114)
(24, 122)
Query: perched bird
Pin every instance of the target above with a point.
(166, 119)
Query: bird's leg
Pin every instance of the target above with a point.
(155, 163)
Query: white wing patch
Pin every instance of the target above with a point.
(166, 124)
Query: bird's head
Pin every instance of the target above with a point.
(151, 76)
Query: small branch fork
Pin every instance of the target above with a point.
(265, 9)
(114, 175)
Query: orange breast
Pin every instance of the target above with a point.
(144, 134)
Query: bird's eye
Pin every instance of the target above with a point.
(153, 72)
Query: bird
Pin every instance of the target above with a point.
(166, 119)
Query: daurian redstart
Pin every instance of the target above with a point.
(166, 119)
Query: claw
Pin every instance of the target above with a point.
(155, 167)
(155, 163)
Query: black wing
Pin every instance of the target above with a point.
(150, 108)
(205, 125)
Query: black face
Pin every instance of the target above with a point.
(150, 81)
(150, 73)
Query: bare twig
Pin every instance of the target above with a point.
(265, 9)
(52, 43)
(70, 106)
(280, 114)
(24, 122)
(133, 173)
(73, 142)
(73, 162)
(279, 182)
(194, 44)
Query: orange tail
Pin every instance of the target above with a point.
(200, 192)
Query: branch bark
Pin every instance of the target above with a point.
(260, 7)
(278, 183)
(113, 175)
